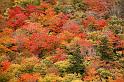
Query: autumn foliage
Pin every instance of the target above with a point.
(60, 41)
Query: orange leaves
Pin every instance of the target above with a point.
(6, 32)
(92, 71)
(1, 17)
(50, 12)
(14, 48)
(66, 36)
(81, 35)
(55, 23)
(90, 74)
(84, 43)
(45, 5)
(6, 39)
(117, 80)
(28, 78)
(5, 65)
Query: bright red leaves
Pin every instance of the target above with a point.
(16, 17)
(99, 24)
(17, 20)
(14, 11)
(42, 41)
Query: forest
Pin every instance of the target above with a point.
(61, 40)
